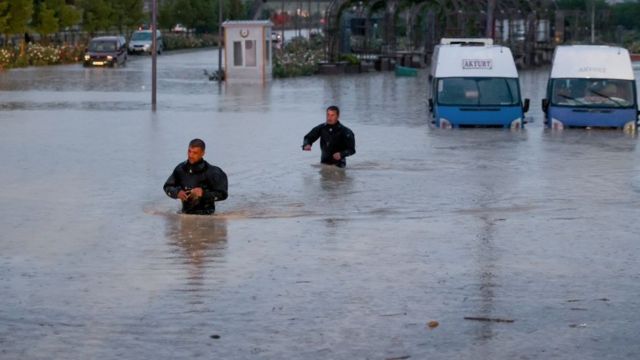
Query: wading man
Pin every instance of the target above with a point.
(197, 183)
(336, 140)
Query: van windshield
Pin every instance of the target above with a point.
(102, 46)
(592, 92)
(141, 36)
(478, 91)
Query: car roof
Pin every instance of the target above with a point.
(107, 38)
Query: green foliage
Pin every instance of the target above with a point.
(580, 4)
(47, 21)
(127, 14)
(201, 15)
(180, 41)
(299, 57)
(96, 15)
(68, 16)
(350, 58)
(627, 15)
(16, 17)
(4, 17)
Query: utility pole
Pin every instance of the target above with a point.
(154, 53)
(220, 37)
(593, 21)
(491, 5)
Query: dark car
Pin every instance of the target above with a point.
(106, 51)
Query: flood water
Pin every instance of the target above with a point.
(535, 230)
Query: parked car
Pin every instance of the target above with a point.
(106, 51)
(179, 28)
(141, 42)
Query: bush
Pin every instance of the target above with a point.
(299, 57)
(70, 54)
(183, 41)
(7, 58)
(350, 58)
(39, 55)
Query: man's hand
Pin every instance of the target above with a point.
(337, 156)
(182, 195)
(307, 148)
(196, 193)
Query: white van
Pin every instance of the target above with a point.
(591, 86)
(475, 83)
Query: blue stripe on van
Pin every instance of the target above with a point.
(570, 116)
(478, 116)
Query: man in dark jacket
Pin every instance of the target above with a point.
(336, 140)
(197, 183)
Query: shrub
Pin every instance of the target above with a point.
(71, 53)
(7, 57)
(350, 58)
(299, 57)
(181, 41)
(39, 55)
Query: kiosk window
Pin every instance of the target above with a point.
(250, 52)
(237, 53)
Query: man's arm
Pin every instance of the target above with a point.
(218, 185)
(311, 137)
(350, 144)
(171, 186)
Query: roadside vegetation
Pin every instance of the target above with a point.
(47, 32)
(298, 57)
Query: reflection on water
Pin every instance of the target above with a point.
(199, 241)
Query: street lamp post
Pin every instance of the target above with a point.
(220, 37)
(154, 53)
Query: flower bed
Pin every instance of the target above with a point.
(38, 55)
(299, 57)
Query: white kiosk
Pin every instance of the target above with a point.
(247, 51)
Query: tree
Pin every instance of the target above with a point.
(18, 16)
(68, 15)
(627, 15)
(127, 14)
(96, 15)
(47, 23)
(166, 14)
(4, 18)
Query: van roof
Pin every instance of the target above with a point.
(467, 41)
(457, 60)
(591, 61)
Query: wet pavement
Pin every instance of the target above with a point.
(536, 232)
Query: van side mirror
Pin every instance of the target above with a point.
(545, 105)
(525, 107)
(431, 105)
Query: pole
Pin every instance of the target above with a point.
(282, 17)
(220, 37)
(154, 54)
(489, 31)
(593, 21)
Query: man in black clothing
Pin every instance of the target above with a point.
(197, 183)
(336, 140)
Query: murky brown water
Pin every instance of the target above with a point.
(303, 261)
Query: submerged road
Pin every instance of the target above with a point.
(520, 245)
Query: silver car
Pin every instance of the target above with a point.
(141, 40)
